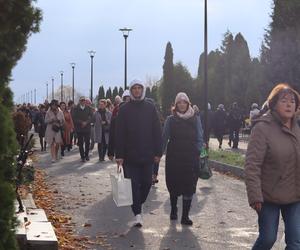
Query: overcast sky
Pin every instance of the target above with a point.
(72, 27)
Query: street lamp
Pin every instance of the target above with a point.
(125, 32)
(52, 79)
(92, 54)
(34, 96)
(47, 96)
(73, 67)
(61, 85)
(206, 135)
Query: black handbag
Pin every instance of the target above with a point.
(55, 128)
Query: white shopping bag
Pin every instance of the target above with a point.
(121, 189)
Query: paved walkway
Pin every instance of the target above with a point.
(242, 148)
(221, 215)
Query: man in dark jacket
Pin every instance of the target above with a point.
(235, 122)
(82, 117)
(138, 144)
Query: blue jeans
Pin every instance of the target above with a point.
(268, 220)
(141, 181)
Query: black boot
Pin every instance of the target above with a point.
(186, 206)
(173, 215)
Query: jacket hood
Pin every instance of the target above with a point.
(137, 82)
(272, 117)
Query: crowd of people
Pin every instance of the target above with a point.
(131, 132)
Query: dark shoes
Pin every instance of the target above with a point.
(186, 221)
(87, 158)
(82, 160)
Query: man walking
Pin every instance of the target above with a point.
(138, 144)
(82, 116)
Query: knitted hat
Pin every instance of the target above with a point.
(181, 96)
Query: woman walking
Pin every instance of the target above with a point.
(55, 120)
(273, 169)
(182, 135)
(102, 120)
(41, 126)
(67, 129)
(219, 124)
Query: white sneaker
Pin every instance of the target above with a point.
(138, 221)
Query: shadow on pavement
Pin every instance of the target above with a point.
(179, 239)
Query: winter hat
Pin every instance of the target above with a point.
(126, 93)
(137, 82)
(181, 96)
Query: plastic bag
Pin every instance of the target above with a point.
(121, 189)
(204, 170)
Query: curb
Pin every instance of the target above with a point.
(226, 168)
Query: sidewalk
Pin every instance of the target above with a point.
(242, 148)
(220, 211)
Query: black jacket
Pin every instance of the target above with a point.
(138, 133)
(80, 116)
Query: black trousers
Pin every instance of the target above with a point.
(84, 143)
(141, 181)
(102, 148)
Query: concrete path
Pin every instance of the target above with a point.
(221, 215)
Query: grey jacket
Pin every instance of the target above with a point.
(97, 120)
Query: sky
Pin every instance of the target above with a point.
(70, 28)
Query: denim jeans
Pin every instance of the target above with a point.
(268, 220)
(141, 181)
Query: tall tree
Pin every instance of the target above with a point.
(121, 91)
(167, 86)
(281, 49)
(115, 93)
(108, 94)
(240, 71)
(19, 19)
(148, 92)
(101, 93)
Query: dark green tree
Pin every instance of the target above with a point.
(101, 93)
(148, 92)
(154, 93)
(168, 92)
(18, 20)
(115, 93)
(121, 91)
(281, 49)
(108, 94)
(240, 72)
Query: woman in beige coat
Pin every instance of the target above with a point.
(55, 120)
(273, 169)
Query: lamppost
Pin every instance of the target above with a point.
(206, 135)
(92, 54)
(61, 85)
(34, 96)
(47, 96)
(31, 100)
(52, 79)
(125, 32)
(73, 68)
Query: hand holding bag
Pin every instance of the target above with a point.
(121, 189)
